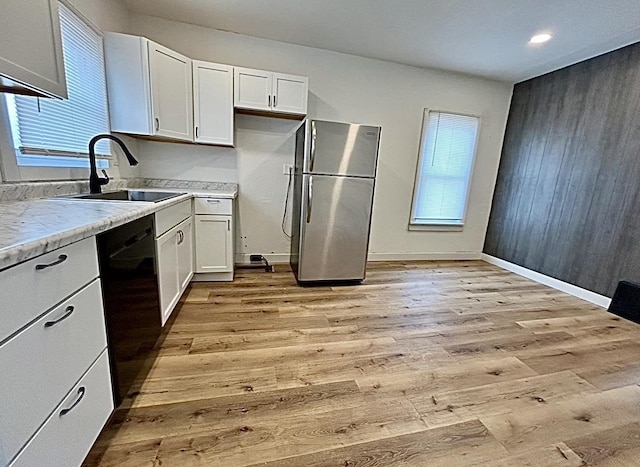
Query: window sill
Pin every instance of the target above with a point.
(436, 227)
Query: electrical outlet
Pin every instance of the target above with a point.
(286, 168)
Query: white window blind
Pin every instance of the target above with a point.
(446, 160)
(61, 129)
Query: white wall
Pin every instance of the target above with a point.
(344, 88)
(106, 15)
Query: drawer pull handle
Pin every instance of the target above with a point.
(69, 311)
(213, 201)
(81, 391)
(61, 259)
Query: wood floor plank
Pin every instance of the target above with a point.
(272, 439)
(556, 455)
(580, 416)
(579, 355)
(179, 365)
(229, 412)
(261, 339)
(446, 408)
(168, 390)
(443, 378)
(616, 446)
(446, 446)
(134, 454)
(438, 363)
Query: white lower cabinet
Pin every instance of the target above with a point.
(48, 359)
(175, 265)
(213, 239)
(167, 251)
(67, 436)
(32, 287)
(185, 253)
(66, 341)
(214, 243)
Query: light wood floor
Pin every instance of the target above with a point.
(426, 364)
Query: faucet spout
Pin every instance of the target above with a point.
(96, 182)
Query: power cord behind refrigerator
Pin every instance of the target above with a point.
(286, 204)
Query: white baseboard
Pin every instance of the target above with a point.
(213, 277)
(442, 256)
(557, 284)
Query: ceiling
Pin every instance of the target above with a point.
(487, 38)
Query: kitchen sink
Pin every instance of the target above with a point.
(129, 195)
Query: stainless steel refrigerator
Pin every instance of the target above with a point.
(333, 185)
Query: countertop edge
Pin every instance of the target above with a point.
(19, 253)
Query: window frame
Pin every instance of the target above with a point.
(77, 167)
(441, 226)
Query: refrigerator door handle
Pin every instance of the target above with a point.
(313, 146)
(309, 198)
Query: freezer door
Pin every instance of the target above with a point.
(341, 149)
(335, 221)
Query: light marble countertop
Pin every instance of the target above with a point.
(32, 227)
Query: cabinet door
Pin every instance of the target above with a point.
(31, 46)
(185, 253)
(290, 93)
(252, 89)
(213, 103)
(214, 243)
(167, 252)
(171, 93)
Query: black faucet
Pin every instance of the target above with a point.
(96, 182)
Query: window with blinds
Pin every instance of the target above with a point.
(447, 153)
(56, 133)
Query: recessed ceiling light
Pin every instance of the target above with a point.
(540, 38)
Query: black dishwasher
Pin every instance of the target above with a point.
(128, 269)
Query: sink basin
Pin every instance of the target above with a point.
(129, 195)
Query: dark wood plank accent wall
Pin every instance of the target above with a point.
(567, 198)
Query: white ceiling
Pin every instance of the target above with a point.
(480, 37)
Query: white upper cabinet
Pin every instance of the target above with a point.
(31, 59)
(171, 93)
(290, 93)
(252, 89)
(270, 92)
(213, 103)
(149, 88)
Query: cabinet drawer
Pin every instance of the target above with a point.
(66, 438)
(41, 363)
(31, 288)
(172, 216)
(213, 206)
